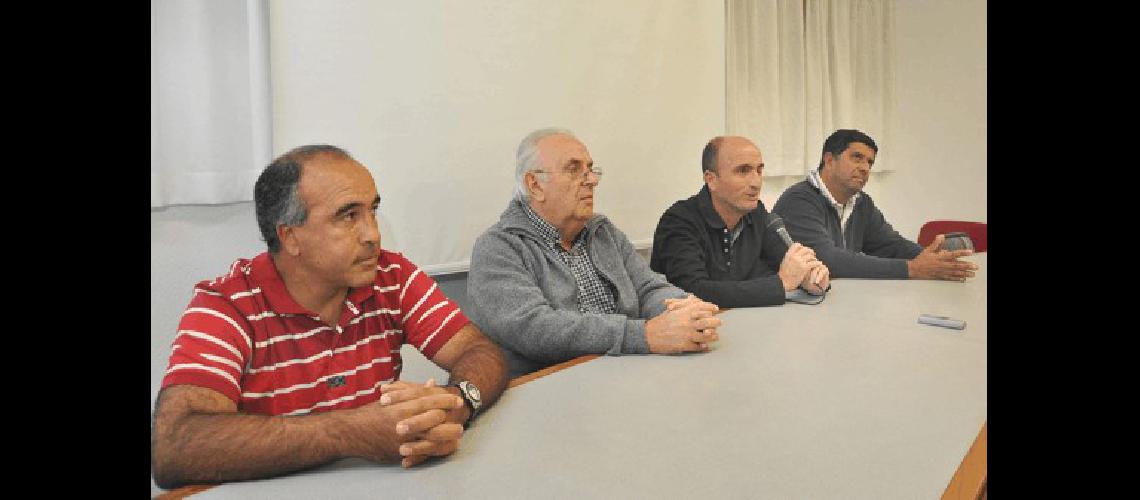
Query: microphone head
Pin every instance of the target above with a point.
(774, 221)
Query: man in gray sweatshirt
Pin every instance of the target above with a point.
(830, 213)
(552, 280)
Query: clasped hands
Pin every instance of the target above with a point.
(431, 423)
(687, 325)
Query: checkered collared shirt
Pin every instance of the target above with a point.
(595, 294)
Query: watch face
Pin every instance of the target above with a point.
(472, 391)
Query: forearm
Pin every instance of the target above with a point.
(200, 447)
(215, 448)
(891, 245)
(200, 437)
(847, 264)
(548, 335)
(880, 239)
(763, 291)
(905, 249)
(482, 364)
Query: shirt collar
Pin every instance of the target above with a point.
(264, 273)
(705, 207)
(546, 230)
(817, 181)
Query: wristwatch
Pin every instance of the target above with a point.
(470, 395)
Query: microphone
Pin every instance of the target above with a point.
(778, 223)
(775, 221)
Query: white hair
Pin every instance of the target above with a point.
(527, 158)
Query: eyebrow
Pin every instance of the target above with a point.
(354, 205)
(348, 208)
(574, 161)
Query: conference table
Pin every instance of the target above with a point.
(850, 398)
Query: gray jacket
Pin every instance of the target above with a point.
(868, 247)
(525, 298)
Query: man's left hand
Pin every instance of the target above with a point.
(817, 280)
(671, 304)
(427, 435)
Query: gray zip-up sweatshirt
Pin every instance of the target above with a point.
(524, 297)
(868, 247)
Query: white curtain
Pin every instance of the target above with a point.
(210, 105)
(797, 70)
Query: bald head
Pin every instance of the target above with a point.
(712, 155)
(733, 172)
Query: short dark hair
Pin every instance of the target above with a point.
(275, 196)
(837, 143)
(708, 156)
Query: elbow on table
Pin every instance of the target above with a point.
(167, 465)
(167, 475)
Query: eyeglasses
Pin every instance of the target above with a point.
(577, 172)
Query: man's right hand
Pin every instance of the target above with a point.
(687, 325)
(935, 263)
(798, 261)
(390, 432)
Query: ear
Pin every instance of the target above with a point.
(287, 235)
(534, 188)
(709, 176)
(828, 159)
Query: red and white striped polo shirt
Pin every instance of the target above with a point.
(244, 336)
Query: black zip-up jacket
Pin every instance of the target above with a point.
(691, 248)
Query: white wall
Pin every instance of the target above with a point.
(189, 244)
(940, 137)
(434, 97)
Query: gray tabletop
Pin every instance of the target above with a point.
(851, 398)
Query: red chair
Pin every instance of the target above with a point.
(976, 230)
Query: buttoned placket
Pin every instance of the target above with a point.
(727, 254)
(347, 316)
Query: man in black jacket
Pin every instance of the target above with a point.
(830, 213)
(719, 245)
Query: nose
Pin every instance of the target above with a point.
(755, 178)
(370, 233)
(592, 178)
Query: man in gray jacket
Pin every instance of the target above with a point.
(552, 281)
(830, 213)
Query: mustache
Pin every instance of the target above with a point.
(373, 253)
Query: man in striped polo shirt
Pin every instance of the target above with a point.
(292, 358)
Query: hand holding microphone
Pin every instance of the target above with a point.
(800, 265)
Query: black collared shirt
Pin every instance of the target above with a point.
(695, 251)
